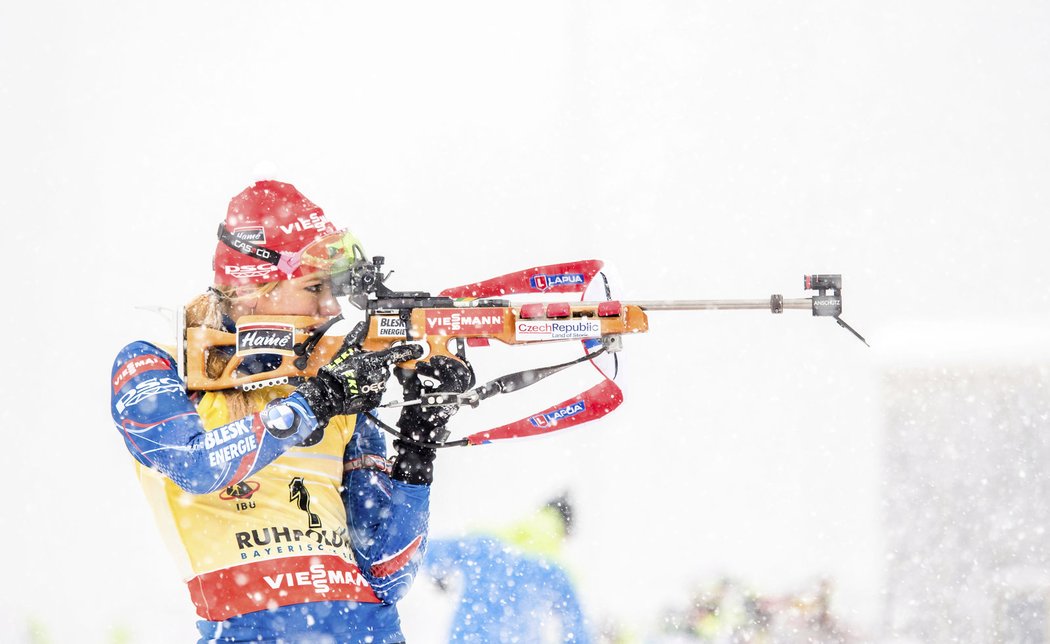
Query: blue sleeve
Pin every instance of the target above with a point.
(162, 430)
(387, 519)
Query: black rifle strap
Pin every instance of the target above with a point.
(502, 385)
(305, 348)
(521, 379)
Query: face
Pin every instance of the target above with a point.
(309, 296)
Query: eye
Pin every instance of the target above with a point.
(315, 288)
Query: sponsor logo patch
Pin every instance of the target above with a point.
(557, 330)
(266, 337)
(230, 442)
(241, 491)
(137, 365)
(544, 282)
(551, 418)
(456, 321)
(249, 270)
(318, 577)
(316, 221)
(254, 235)
(146, 390)
(287, 536)
(391, 327)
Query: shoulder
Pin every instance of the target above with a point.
(140, 357)
(139, 346)
(146, 383)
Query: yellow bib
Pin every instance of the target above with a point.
(276, 538)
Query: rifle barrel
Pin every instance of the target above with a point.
(802, 303)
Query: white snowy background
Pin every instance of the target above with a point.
(708, 150)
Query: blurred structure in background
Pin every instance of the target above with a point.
(968, 503)
(727, 612)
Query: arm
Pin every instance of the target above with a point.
(388, 505)
(163, 431)
(388, 519)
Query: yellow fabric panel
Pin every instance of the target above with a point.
(290, 507)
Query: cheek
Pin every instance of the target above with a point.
(284, 303)
(300, 303)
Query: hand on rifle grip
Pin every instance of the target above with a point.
(425, 426)
(438, 373)
(354, 381)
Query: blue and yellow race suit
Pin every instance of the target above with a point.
(256, 510)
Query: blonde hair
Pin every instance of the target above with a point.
(207, 310)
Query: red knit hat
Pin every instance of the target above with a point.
(266, 229)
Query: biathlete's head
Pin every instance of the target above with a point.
(277, 254)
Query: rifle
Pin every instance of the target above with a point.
(474, 315)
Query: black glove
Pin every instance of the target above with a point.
(354, 381)
(414, 462)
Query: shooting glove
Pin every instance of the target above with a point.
(414, 462)
(354, 381)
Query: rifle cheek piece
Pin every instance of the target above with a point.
(310, 351)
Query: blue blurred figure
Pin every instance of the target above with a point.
(513, 589)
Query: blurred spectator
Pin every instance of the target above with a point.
(512, 588)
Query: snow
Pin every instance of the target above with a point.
(710, 150)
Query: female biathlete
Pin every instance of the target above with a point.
(278, 503)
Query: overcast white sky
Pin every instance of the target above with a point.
(706, 149)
